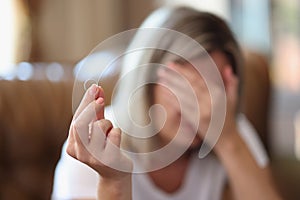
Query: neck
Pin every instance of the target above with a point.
(171, 178)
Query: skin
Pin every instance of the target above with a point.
(169, 100)
(246, 179)
(103, 141)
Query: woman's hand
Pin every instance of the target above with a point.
(200, 90)
(247, 180)
(94, 141)
(231, 88)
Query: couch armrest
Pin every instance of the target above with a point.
(35, 117)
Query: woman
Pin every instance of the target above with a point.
(236, 169)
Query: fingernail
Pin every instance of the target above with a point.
(171, 64)
(100, 100)
(93, 90)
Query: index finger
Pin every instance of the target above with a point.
(93, 93)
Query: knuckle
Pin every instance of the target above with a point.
(82, 156)
(73, 129)
(115, 134)
(104, 124)
(76, 124)
(116, 131)
(71, 151)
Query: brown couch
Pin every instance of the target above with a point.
(35, 116)
(34, 123)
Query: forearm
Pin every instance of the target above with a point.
(115, 189)
(247, 180)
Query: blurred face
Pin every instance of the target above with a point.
(165, 97)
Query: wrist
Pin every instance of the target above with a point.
(228, 142)
(115, 188)
(115, 182)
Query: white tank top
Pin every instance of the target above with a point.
(204, 180)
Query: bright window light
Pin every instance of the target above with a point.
(7, 36)
(219, 7)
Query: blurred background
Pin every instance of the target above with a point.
(42, 40)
